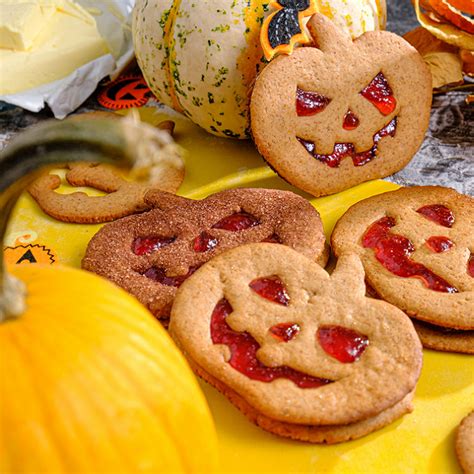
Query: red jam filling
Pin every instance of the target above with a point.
(343, 344)
(351, 122)
(237, 222)
(393, 251)
(470, 266)
(272, 239)
(146, 245)
(204, 242)
(243, 353)
(344, 150)
(379, 93)
(159, 275)
(272, 289)
(285, 331)
(439, 244)
(309, 103)
(438, 213)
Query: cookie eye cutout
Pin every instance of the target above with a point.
(310, 103)
(237, 222)
(204, 242)
(439, 244)
(271, 288)
(243, 353)
(379, 93)
(272, 239)
(345, 345)
(438, 213)
(147, 245)
(394, 252)
(470, 266)
(159, 275)
(285, 332)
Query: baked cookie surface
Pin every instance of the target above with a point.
(417, 246)
(151, 254)
(329, 117)
(296, 345)
(465, 444)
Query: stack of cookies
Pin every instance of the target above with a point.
(417, 248)
(302, 353)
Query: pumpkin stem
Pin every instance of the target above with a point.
(127, 142)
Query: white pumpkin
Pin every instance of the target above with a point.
(200, 57)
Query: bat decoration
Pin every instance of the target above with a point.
(284, 28)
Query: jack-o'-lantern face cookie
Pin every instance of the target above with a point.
(417, 247)
(299, 346)
(329, 117)
(151, 254)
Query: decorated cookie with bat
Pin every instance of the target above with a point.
(303, 353)
(341, 112)
(151, 254)
(417, 247)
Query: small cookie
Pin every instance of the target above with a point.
(151, 254)
(299, 346)
(122, 199)
(329, 117)
(465, 444)
(416, 245)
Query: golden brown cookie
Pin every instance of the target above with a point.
(122, 197)
(151, 254)
(465, 444)
(298, 346)
(444, 339)
(416, 245)
(329, 117)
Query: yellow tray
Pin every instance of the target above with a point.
(422, 442)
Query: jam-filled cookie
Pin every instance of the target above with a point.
(341, 112)
(417, 247)
(151, 254)
(302, 353)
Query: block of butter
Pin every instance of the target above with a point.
(42, 41)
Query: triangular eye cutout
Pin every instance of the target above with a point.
(310, 103)
(380, 94)
(271, 288)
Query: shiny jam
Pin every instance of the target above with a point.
(284, 331)
(237, 222)
(345, 345)
(147, 245)
(439, 244)
(393, 251)
(271, 288)
(438, 213)
(350, 122)
(243, 353)
(344, 150)
(470, 266)
(309, 103)
(379, 93)
(204, 242)
(159, 275)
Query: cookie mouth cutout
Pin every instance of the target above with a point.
(344, 150)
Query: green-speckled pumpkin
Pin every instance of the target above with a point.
(201, 56)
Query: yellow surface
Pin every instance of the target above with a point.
(43, 41)
(422, 442)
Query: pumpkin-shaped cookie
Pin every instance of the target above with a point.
(151, 254)
(342, 112)
(281, 337)
(417, 248)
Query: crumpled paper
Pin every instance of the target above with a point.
(65, 95)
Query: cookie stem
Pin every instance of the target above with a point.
(123, 143)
